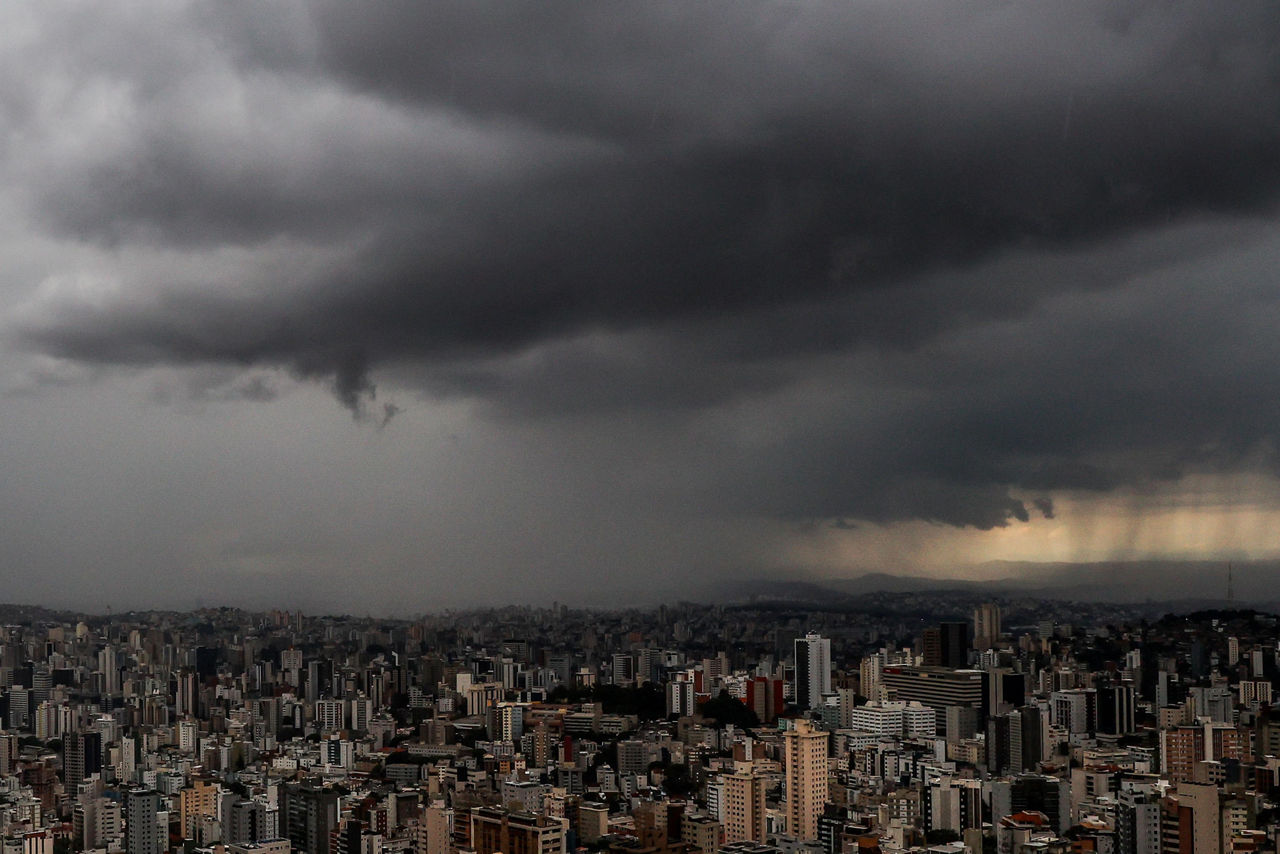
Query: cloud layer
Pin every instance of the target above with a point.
(860, 261)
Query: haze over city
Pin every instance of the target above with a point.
(393, 307)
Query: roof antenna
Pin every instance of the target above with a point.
(1231, 593)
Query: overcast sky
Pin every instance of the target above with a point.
(399, 306)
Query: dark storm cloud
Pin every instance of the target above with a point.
(1086, 392)
(569, 209)
(1044, 505)
(712, 158)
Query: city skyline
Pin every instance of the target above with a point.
(684, 729)
(403, 308)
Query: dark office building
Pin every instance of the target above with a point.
(947, 645)
(308, 815)
(1034, 793)
(1115, 709)
(81, 758)
(247, 822)
(206, 662)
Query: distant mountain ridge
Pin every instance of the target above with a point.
(1253, 583)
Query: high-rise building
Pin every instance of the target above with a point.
(496, 830)
(742, 808)
(593, 821)
(97, 822)
(186, 700)
(633, 757)
(623, 671)
(765, 697)
(700, 832)
(951, 804)
(8, 753)
(308, 814)
(329, 715)
(435, 830)
(127, 759)
(1180, 749)
(986, 625)
(1197, 808)
(805, 773)
(81, 757)
(648, 666)
(937, 688)
(1076, 710)
(653, 823)
(361, 712)
(247, 822)
(109, 667)
(41, 685)
(206, 662)
(1034, 725)
(19, 708)
(195, 802)
(834, 829)
(1006, 690)
(681, 697)
(1004, 744)
(1137, 823)
(1038, 793)
(1215, 702)
(947, 645)
(318, 678)
(1115, 709)
(143, 834)
(813, 670)
(350, 837)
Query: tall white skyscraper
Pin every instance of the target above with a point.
(813, 670)
(109, 666)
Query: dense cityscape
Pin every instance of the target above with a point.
(457, 427)
(761, 728)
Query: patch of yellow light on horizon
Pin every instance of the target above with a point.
(1213, 518)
